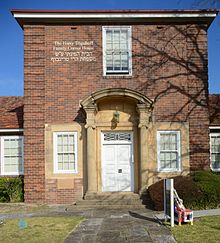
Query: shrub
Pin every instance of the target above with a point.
(201, 190)
(209, 183)
(185, 187)
(11, 189)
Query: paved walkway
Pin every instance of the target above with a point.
(120, 225)
(108, 225)
(113, 225)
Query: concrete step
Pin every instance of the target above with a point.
(111, 200)
(107, 206)
(112, 196)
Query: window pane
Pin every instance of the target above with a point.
(215, 152)
(72, 166)
(124, 61)
(173, 160)
(14, 151)
(124, 36)
(117, 53)
(109, 61)
(65, 151)
(71, 148)
(60, 166)
(117, 61)
(168, 154)
(60, 148)
(109, 35)
(65, 139)
(72, 158)
(7, 143)
(65, 158)
(60, 158)
(65, 166)
(7, 151)
(173, 142)
(59, 140)
(71, 139)
(12, 159)
(65, 148)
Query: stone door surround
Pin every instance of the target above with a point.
(144, 108)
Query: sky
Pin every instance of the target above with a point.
(11, 35)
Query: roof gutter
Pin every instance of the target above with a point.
(74, 16)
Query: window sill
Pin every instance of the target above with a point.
(12, 174)
(215, 170)
(65, 172)
(169, 171)
(118, 76)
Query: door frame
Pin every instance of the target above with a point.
(131, 143)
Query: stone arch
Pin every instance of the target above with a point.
(116, 92)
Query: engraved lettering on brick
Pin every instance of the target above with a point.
(75, 51)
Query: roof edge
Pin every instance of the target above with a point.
(110, 16)
(117, 11)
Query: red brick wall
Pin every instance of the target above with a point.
(169, 65)
(54, 195)
(198, 93)
(34, 122)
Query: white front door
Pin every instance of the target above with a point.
(117, 162)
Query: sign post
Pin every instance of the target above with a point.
(169, 201)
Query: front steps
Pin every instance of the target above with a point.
(111, 200)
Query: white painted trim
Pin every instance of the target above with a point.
(2, 156)
(210, 152)
(178, 151)
(214, 127)
(117, 73)
(131, 143)
(55, 163)
(98, 15)
(12, 130)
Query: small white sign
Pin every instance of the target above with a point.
(169, 200)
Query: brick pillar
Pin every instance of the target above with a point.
(34, 98)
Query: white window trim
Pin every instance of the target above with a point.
(56, 171)
(210, 135)
(2, 156)
(178, 169)
(113, 74)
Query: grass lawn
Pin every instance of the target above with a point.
(23, 207)
(38, 229)
(206, 229)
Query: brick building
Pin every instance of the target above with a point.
(113, 101)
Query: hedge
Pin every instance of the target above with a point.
(11, 189)
(200, 190)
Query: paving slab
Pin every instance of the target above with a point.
(120, 226)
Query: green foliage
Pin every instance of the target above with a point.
(209, 183)
(11, 189)
(200, 190)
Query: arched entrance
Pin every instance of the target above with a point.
(116, 121)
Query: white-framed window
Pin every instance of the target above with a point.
(168, 151)
(65, 152)
(117, 50)
(12, 162)
(215, 151)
